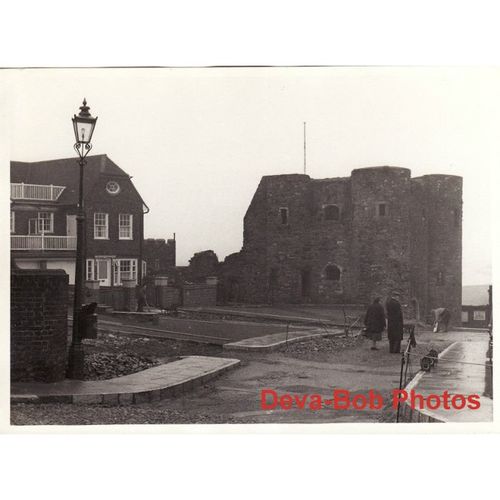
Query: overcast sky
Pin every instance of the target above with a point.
(197, 141)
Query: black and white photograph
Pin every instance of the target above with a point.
(251, 245)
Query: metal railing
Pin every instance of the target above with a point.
(42, 242)
(48, 192)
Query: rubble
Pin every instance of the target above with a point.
(103, 366)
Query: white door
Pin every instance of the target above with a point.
(103, 268)
(71, 225)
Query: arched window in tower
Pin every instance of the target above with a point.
(457, 216)
(332, 273)
(332, 212)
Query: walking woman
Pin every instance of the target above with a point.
(375, 322)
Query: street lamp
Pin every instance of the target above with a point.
(83, 125)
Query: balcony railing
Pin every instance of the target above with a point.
(42, 242)
(46, 192)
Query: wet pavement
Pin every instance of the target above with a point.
(461, 370)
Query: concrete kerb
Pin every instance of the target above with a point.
(265, 317)
(269, 343)
(423, 415)
(133, 397)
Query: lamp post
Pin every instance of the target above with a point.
(83, 125)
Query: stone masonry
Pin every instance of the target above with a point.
(348, 239)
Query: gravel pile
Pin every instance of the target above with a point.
(102, 366)
(314, 346)
(60, 414)
(147, 346)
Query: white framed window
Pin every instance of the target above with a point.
(100, 226)
(124, 269)
(479, 315)
(89, 269)
(12, 222)
(112, 187)
(465, 316)
(45, 222)
(125, 226)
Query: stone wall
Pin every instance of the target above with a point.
(349, 239)
(380, 246)
(39, 325)
(160, 256)
(444, 259)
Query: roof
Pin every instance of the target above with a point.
(65, 172)
(475, 295)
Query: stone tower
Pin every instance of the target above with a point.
(348, 239)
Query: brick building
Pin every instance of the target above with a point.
(159, 255)
(348, 239)
(44, 198)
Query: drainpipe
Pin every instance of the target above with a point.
(141, 239)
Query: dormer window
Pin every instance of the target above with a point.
(331, 212)
(284, 215)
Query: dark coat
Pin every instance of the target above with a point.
(394, 320)
(375, 318)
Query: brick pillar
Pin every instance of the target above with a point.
(92, 291)
(161, 283)
(129, 293)
(39, 325)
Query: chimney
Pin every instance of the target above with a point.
(104, 159)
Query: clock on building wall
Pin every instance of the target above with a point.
(112, 187)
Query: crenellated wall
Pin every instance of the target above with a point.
(348, 239)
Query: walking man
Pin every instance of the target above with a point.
(375, 322)
(394, 322)
(141, 298)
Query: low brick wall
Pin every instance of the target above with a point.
(168, 297)
(113, 297)
(199, 295)
(39, 325)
